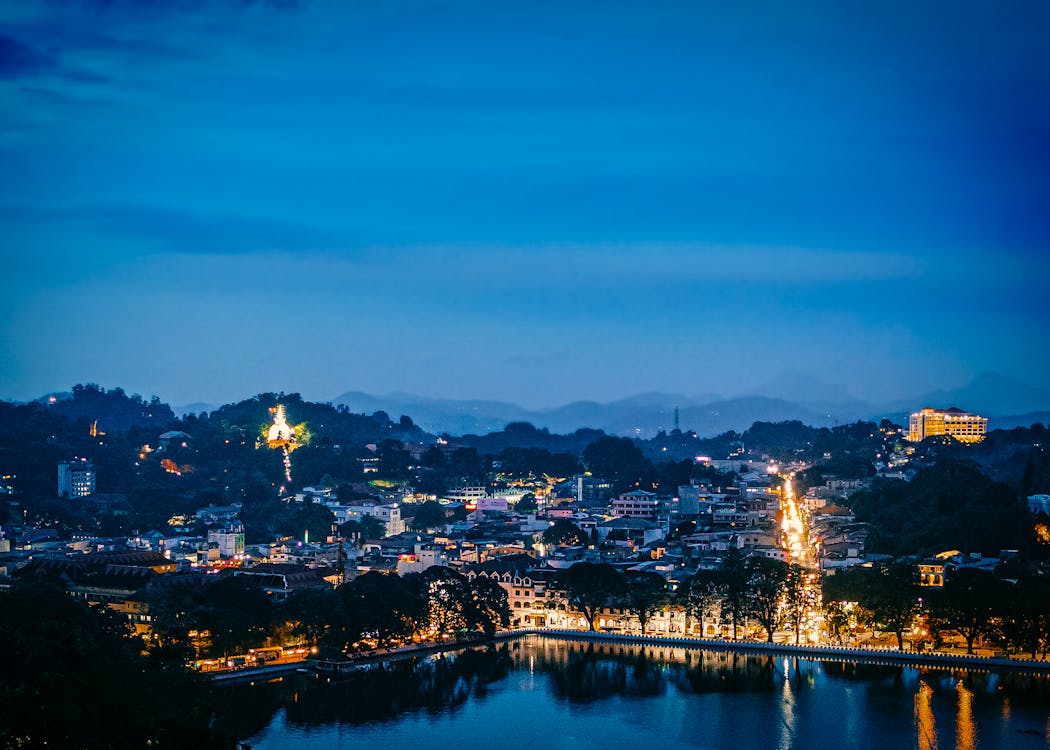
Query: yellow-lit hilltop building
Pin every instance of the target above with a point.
(959, 424)
(281, 434)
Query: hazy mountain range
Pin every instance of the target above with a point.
(1008, 403)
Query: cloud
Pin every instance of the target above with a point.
(18, 60)
(185, 6)
(178, 230)
(658, 264)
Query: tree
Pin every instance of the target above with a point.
(847, 598)
(429, 515)
(798, 598)
(766, 581)
(1025, 625)
(699, 597)
(74, 678)
(644, 594)
(967, 603)
(365, 527)
(173, 616)
(489, 606)
(310, 518)
(893, 598)
(315, 615)
(451, 600)
(731, 580)
(564, 532)
(384, 607)
(236, 612)
(589, 587)
(951, 505)
(619, 459)
(527, 504)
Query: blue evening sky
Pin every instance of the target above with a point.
(536, 201)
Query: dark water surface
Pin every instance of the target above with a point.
(538, 693)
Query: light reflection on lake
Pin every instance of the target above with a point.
(553, 694)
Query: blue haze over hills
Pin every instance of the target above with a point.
(1006, 402)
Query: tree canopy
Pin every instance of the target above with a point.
(591, 586)
(951, 505)
(76, 679)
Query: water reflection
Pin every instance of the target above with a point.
(925, 725)
(747, 700)
(965, 728)
(379, 693)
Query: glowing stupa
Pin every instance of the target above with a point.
(280, 434)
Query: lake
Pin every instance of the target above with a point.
(536, 692)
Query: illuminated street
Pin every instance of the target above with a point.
(793, 526)
(796, 541)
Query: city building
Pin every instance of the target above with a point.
(422, 557)
(636, 504)
(954, 422)
(1039, 504)
(76, 478)
(230, 541)
(469, 495)
(529, 593)
(590, 490)
(630, 532)
(389, 514)
(218, 514)
(315, 495)
(493, 504)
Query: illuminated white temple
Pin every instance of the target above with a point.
(281, 434)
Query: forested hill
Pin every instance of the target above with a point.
(218, 463)
(111, 411)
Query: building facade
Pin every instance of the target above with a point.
(956, 423)
(636, 504)
(230, 541)
(76, 478)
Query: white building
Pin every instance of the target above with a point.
(425, 556)
(636, 504)
(230, 541)
(389, 514)
(76, 478)
(467, 495)
(314, 495)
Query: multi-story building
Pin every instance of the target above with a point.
(954, 422)
(468, 495)
(422, 557)
(529, 593)
(591, 491)
(694, 500)
(230, 540)
(636, 504)
(389, 514)
(76, 478)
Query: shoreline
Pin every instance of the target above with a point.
(820, 653)
(824, 653)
